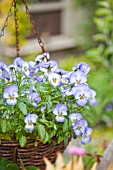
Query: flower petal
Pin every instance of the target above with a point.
(60, 118)
(29, 127)
(11, 102)
(85, 139)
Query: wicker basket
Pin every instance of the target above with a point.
(30, 155)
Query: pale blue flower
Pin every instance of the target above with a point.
(54, 79)
(82, 94)
(86, 136)
(29, 120)
(78, 77)
(42, 58)
(80, 127)
(60, 111)
(6, 74)
(74, 118)
(26, 69)
(82, 66)
(11, 93)
(34, 99)
(49, 66)
(42, 109)
(18, 62)
(92, 99)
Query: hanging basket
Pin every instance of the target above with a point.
(30, 155)
(43, 105)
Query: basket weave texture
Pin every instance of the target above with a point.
(30, 155)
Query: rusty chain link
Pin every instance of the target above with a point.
(14, 4)
(34, 27)
(16, 27)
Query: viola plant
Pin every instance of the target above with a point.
(41, 101)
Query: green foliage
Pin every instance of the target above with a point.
(102, 56)
(22, 108)
(22, 141)
(5, 164)
(31, 168)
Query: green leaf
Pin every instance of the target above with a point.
(22, 141)
(23, 108)
(103, 4)
(46, 138)
(41, 131)
(3, 125)
(52, 133)
(4, 162)
(66, 125)
(102, 12)
(12, 166)
(31, 168)
(99, 37)
(2, 167)
(60, 139)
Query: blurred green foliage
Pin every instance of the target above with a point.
(100, 58)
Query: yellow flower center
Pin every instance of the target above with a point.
(78, 82)
(25, 69)
(60, 115)
(54, 80)
(30, 123)
(81, 97)
(11, 97)
(74, 121)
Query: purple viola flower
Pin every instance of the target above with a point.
(54, 79)
(31, 66)
(66, 90)
(11, 93)
(29, 120)
(60, 111)
(108, 107)
(12, 69)
(33, 89)
(2, 65)
(80, 127)
(26, 69)
(82, 94)
(39, 78)
(83, 67)
(78, 77)
(75, 117)
(42, 58)
(86, 136)
(60, 71)
(42, 109)
(34, 99)
(49, 66)
(92, 99)
(6, 74)
(18, 62)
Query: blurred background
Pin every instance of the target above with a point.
(72, 31)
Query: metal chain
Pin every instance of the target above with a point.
(16, 27)
(34, 27)
(6, 20)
